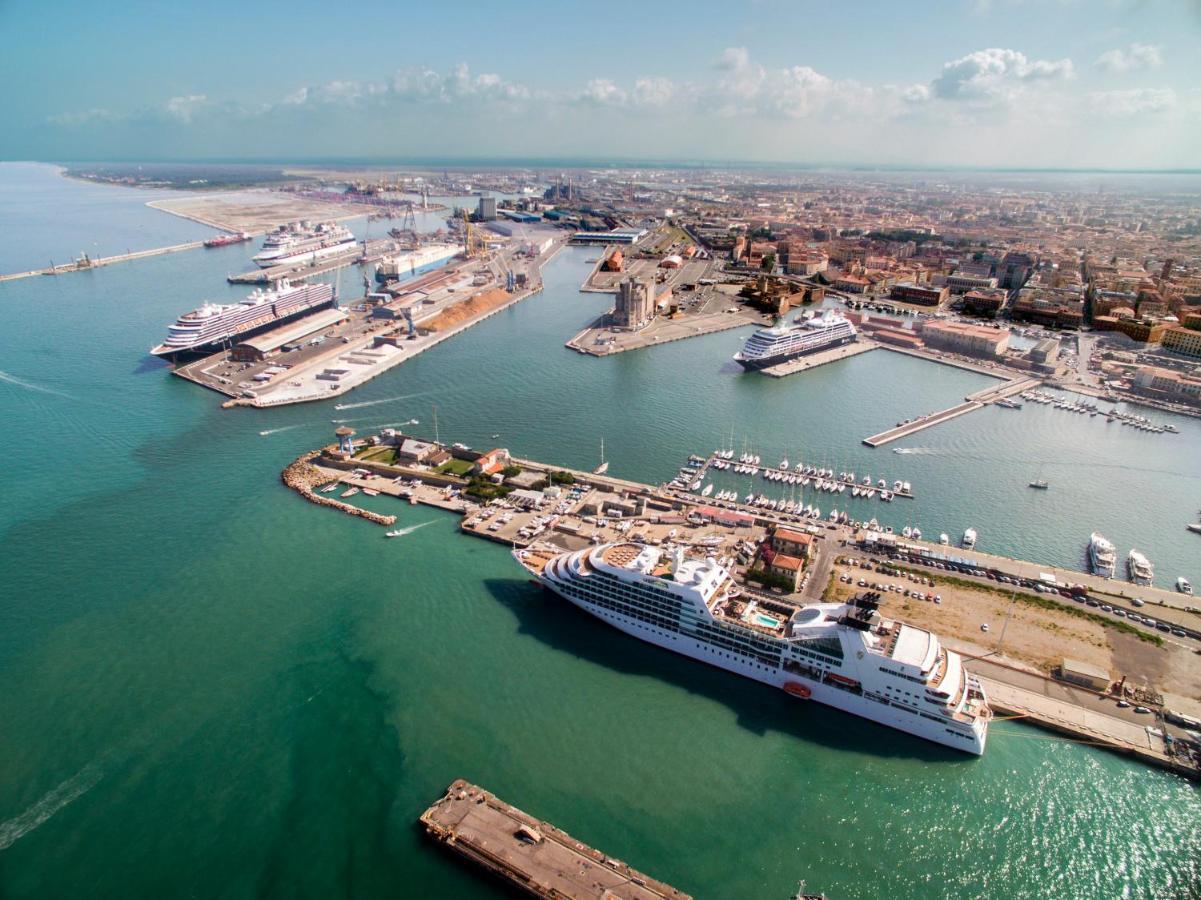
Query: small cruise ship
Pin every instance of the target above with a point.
(1101, 555)
(1140, 569)
(303, 242)
(847, 656)
(808, 334)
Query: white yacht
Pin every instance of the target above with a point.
(969, 538)
(1183, 585)
(1101, 555)
(1139, 568)
(843, 655)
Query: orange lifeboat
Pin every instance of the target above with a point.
(797, 690)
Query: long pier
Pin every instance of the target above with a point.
(89, 264)
(971, 403)
(531, 855)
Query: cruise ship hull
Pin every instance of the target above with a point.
(763, 362)
(875, 711)
(292, 257)
(207, 348)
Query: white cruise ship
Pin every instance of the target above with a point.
(216, 325)
(808, 334)
(411, 262)
(1140, 568)
(303, 242)
(843, 655)
(1101, 555)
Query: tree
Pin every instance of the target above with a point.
(769, 262)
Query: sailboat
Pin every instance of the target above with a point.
(604, 466)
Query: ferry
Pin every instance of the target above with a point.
(1101, 555)
(1139, 568)
(404, 265)
(212, 326)
(847, 656)
(808, 334)
(300, 242)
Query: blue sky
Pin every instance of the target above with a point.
(1065, 83)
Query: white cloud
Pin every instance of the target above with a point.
(1134, 58)
(183, 108)
(995, 75)
(603, 92)
(1141, 101)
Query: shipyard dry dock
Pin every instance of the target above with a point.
(534, 857)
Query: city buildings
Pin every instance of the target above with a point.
(968, 340)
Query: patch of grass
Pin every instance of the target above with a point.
(458, 467)
(381, 454)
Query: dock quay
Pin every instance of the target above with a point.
(600, 340)
(86, 263)
(548, 509)
(376, 335)
(821, 358)
(971, 403)
(532, 856)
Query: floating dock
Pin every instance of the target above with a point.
(532, 856)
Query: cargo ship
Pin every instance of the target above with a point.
(414, 262)
(303, 242)
(224, 240)
(808, 334)
(214, 326)
(844, 655)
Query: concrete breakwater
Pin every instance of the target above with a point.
(302, 476)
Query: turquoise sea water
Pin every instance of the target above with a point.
(214, 688)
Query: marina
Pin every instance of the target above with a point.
(598, 510)
(530, 855)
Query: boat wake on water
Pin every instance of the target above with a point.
(401, 532)
(66, 793)
(363, 403)
(14, 380)
(278, 430)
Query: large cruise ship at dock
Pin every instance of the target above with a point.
(300, 242)
(413, 262)
(843, 655)
(808, 334)
(212, 326)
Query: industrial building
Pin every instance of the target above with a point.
(272, 343)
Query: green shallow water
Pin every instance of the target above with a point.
(212, 688)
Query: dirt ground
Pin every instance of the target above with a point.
(483, 302)
(253, 211)
(1033, 637)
